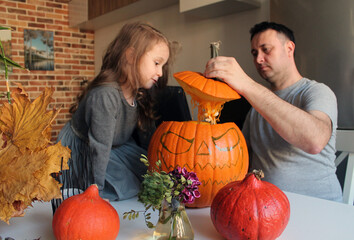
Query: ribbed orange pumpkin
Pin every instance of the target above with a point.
(86, 216)
(250, 209)
(216, 153)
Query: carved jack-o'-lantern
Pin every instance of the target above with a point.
(217, 153)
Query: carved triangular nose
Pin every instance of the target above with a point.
(203, 149)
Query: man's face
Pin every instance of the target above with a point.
(270, 55)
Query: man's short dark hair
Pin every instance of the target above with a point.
(280, 28)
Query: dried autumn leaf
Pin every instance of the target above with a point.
(27, 157)
(21, 118)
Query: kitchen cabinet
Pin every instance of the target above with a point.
(216, 8)
(93, 14)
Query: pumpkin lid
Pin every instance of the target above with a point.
(208, 94)
(205, 89)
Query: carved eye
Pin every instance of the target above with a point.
(227, 141)
(175, 143)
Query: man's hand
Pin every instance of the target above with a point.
(228, 70)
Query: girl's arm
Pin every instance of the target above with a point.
(101, 113)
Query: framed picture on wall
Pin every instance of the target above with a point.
(39, 50)
(5, 37)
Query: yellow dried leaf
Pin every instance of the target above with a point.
(27, 157)
(25, 121)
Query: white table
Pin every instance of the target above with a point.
(310, 219)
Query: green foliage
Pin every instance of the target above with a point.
(156, 186)
(7, 62)
(132, 214)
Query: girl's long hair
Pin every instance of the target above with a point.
(115, 69)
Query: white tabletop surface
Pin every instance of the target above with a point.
(310, 218)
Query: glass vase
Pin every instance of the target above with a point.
(173, 223)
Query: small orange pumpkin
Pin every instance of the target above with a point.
(86, 216)
(250, 209)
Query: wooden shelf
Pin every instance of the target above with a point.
(216, 8)
(112, 13)
(87, 14)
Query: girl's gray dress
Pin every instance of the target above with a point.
(102, 147)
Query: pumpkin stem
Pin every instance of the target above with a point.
(258, 174)
(209, 111)
(92, 190)
(214, 47)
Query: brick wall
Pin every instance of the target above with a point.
(73, 52)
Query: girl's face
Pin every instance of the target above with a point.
(151, 64)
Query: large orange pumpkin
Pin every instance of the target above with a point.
(217, 153)
(86, 216)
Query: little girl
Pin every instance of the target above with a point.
(115, 104)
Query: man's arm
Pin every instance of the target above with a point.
(309, 131)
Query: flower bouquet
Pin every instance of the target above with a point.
(167, 192)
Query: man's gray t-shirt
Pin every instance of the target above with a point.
(286, 166)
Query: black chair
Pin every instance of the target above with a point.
(172, 105)
(235, 111)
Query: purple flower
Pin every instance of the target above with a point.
(178, 170)
(196, 194)
(187, 197)
(188, 190)
(192, 176)
(184, 172)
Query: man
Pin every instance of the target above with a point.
(290, 130)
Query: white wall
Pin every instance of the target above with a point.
(195, 34)
(324, 35)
